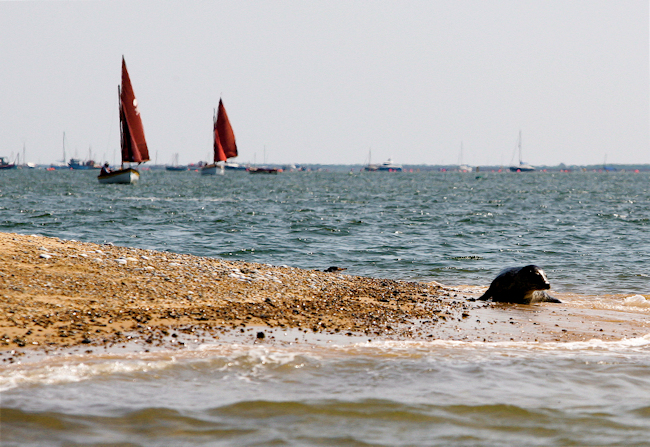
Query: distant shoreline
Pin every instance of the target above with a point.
(59, 294)
(562, 168)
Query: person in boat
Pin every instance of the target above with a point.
(105, 169)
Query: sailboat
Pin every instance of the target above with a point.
(76, 163)
(4, 164)
(388, 165)
(263, 169)
(224, 145)
(522, 167)
(134, 145)
(175, 166)
(462, 167)
(62, 165)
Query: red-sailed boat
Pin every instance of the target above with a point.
(225, 146)
(134, 145)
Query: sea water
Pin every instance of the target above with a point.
(588, 230)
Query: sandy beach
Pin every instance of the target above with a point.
(59, 294)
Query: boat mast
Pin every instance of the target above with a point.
(119, 103)
(520, 162)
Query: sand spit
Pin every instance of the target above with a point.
(60, 294)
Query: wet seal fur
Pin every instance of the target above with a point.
(520, 285)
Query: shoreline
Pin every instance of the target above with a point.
(58, 295)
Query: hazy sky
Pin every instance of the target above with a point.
(326, 81)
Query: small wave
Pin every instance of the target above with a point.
(254, 362)
(636, 301)
(248, 362)
(176, 199)
(75, 369)
(145, 426)
(454, 349)
(335, 421)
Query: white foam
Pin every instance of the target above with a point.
(250, 362)
(74, 370)
(636, 301)
(508, 348)
(631, 304)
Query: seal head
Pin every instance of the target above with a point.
(520, 285)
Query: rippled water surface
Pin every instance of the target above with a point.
(381, 393)
(589, 231)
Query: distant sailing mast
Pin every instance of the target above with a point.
(462, 167)
(370, 166)
(522, 167)
(64, 159)
(132, 140)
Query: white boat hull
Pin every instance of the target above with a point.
(522, 168)
(231, 166)
(212, 169)
(124, 176)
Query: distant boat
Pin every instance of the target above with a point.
(25, 165)
(370, 167)
(75, 163)
(63, 164)
(607, 168)
(4, 164)
(132, 141)
(224, 145)
(388, 165)
(174, 166)
(522, 167)
(263, 170)
(462, 167)
(232, 166)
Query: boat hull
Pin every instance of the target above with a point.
(390, 168)
(82, 165)
(212, 169)
(231, 166)
(387, 166)
(124, 176)
(83, 168)
(4, 164)
(176, 168)
(522, 169)
(263, 170)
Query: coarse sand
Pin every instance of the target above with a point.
(59, 294)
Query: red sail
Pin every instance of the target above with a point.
(224, 138)
(219, 154)
(134, 145)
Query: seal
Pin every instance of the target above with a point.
(520, 285)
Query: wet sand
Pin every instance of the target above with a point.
(61, 295)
